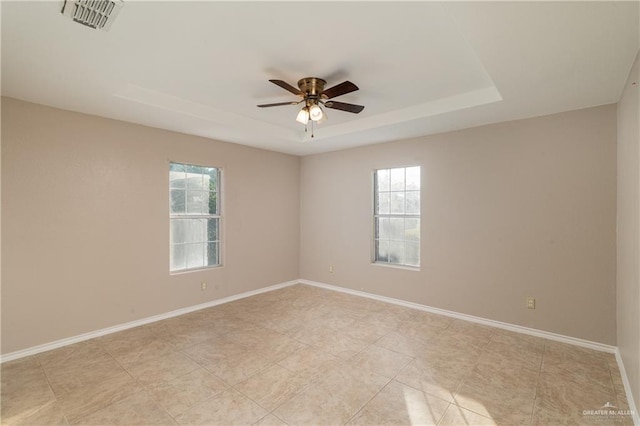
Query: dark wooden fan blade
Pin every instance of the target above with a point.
(339, 89)
(287, 86)
(279, 104)
(344, 106)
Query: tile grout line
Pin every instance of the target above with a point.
(535, 398)
(142, 385)
(444, 413)
(55, 396)
(368, 401)
(276, 363)
(265, 369)
(464, 380)
(88, 413)
(384, 387)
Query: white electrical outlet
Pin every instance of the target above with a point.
(531, 302)
(203, 286)
(331, 269)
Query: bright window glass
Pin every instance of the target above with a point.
(194, 216)
(397, 216)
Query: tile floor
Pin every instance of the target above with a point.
(307, 356)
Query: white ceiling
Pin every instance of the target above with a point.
(422, 67)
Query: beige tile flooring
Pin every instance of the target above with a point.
(308, 356)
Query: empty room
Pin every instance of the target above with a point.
(320, 213)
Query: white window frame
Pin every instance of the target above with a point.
(376, 260)
(202, 216)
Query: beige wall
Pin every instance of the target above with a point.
(517, 209)
(628, 269)
(85, 227)
(524, 208)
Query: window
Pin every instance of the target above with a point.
(397, 216)
(194, 216)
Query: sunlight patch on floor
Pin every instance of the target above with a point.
(418, 408)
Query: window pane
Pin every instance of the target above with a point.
(397, 179)
(383, 203)
(178, 257)
(413, 202)
(413, 178)
(196, 231)
(195, 255)
(382, 251)
(412, 254)
(383, 228)
(397, 202)
(382, 180)
(396, 228)
(176, 167)
(177, 180)
(212, 203)
(212, 254)
(195, 181)
(396, 252)
(212, 230)
(178, 231)
(177, 201)
(197, 201)
(412, 229)
(212, 177)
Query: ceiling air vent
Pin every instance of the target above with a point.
(97, 14)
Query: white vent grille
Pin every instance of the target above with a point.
(97, 14)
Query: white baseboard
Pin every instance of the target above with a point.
(104, 331)
(492, 323)
(506, 326)
(627, 389)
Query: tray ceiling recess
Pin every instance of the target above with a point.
(201, 67)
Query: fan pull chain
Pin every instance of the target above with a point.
(305, 128)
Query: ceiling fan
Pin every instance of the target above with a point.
(312, 92)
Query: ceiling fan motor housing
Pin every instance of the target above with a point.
(311, 86)
(313, 93)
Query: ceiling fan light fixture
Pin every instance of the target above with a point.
(303, 116)
(315, 112)
(323, 118)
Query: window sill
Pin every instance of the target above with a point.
(186, 271)
(391, 265)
